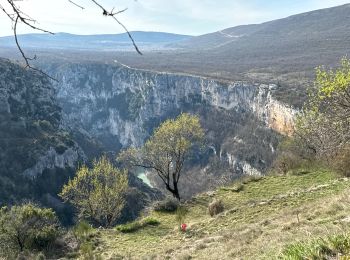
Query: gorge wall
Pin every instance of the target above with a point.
(94, 108)
(120, 106)
(38, 151)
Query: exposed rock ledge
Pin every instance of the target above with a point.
(52, 160)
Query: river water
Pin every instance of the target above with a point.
(142, 175)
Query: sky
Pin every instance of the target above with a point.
(192, 17)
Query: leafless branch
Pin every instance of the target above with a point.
(81, 7)
(16, 15)
(113, 15)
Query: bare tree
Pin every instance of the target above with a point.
(17, 16)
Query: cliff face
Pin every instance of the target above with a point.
(33, 144)
(46, 130)
(121, 101)
(39, 151)
(120, 106)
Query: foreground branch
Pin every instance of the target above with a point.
(16, 15)
(113, 15)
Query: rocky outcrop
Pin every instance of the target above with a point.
(51, 160)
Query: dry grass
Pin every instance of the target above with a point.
(258, 222)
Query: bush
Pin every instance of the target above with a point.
(291, 155)
(167, 205)
(252, 178)
(150, 221)
(321, 248)
(136, 225)
(60, 149)
(98, 193)
(40, 256)
(87, 250)
(27, 227)
(237, 187)
(215, 207)
(341, 161)
(181, 213)
(286, 162)
(82, 230)
(45, 125)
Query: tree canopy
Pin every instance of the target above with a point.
(98, 193)
(323, 125)
(26, 227)
(167, 149)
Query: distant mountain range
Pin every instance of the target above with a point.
(116, 42)
(284, 51)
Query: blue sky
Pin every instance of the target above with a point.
(193, 17)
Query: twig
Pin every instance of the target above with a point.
(81, 7)
(18, 15)
(113, 15)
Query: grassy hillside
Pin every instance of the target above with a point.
(263, 217)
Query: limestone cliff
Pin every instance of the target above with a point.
(33, 144)
(39, 151)
(94, 108)
(120, 106)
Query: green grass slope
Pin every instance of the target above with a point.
(274, 217)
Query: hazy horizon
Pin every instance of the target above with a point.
(187, 17)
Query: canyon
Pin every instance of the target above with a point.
(120, 106)
(103, 108)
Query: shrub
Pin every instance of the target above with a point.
(45, 125)
(321, 248)
(237, 187)
(286, 162)
(40, 256)
(167, 205)
(98, 193)
(181, 213)
(27, 227)
(215, 207)
(341, 162)
(60, 149)
(291, 154)
(136, 225)
(82, 230)
(129, 227)
(150, 221)
(87, 250)
(252, 178)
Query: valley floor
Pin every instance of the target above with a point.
(262, 216)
